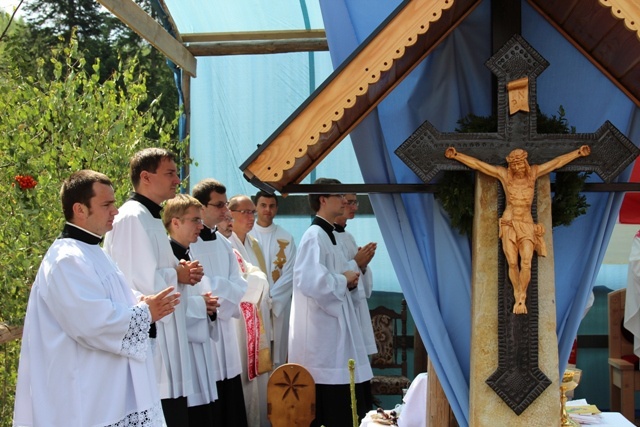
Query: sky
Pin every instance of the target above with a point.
(9, 5)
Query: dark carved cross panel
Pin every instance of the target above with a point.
(518, 379)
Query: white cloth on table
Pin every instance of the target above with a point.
(85, 358)
(632, 304)
(414, 410)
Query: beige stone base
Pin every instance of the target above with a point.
(487, 409)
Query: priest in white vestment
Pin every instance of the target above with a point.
(253, 269)
(632, 302)
(279, 250)
(325, 330)
(139, 245)
(86, 359)
(221, 268)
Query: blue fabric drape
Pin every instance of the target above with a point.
(431, 260)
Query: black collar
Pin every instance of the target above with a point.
(338, 228)
(71, 231)
(152, 206)
(208, 234)
(322, 223)
(179, 251)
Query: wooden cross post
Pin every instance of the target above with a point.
(513, 339)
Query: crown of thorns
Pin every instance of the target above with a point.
(517, 155)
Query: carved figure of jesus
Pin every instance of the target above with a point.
(519, 234)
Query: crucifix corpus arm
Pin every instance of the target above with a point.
(472, 162)
(562, 160)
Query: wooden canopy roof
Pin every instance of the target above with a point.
(607, 32)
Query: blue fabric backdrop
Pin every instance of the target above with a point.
(431, 260)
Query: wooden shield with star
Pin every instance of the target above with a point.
(291, 396)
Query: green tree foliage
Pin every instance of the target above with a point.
(100, 36)
(49, 129)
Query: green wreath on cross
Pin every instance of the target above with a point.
(455, 190)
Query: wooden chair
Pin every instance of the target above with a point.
(390, 330)
(291, 397)
(624, 376)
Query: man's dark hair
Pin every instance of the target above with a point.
(147, 160)
(314, 199)
(202, 190)
(78, 188)
(263, 193)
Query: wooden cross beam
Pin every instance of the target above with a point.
(611, 151)
(518, 380)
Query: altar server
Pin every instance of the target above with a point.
(182, 217)
(359, 259)
(324, 329)
(221, 268)
(139, 245)
(85, 357)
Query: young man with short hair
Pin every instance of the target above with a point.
(85, 357)
(182, 217)
(324, 330)
(279, 250)
(139, 245)
(221, 268)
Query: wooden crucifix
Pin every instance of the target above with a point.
(518, 380)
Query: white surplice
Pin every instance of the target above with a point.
(632, 302)
(279, 251)
(221, 268)
(324, 329)
(85, 358)
(203, 360)
(139, 245)
(363, 292)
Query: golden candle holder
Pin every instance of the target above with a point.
(570, 381)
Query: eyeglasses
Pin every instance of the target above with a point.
(194, 220)
(218, 205)
(353, 202)
(342, 196)
(245, 212)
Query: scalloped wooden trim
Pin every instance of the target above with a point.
(343, 91)
(627, 10)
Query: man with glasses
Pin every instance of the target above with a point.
(279, 253)
(324, 329)
(139, 245)
(359, 259)
(221, 268)
(243, 212)
(182, 217)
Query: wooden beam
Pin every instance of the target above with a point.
(586, 53)
(257, 47)
(615, 187)
(627, 10)
(143, 24)
(9, 333)
(252, 35)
